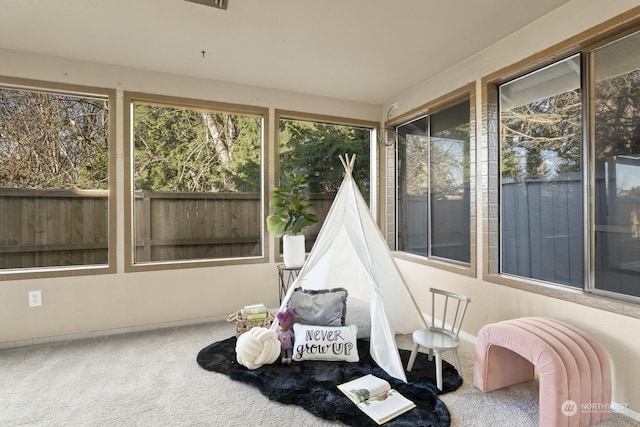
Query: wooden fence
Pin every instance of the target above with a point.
(179, 226)
(47, 228)
(450, 228)
(41, 228)
(542, 230)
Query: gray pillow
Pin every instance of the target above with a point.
(359, 314)
(326, 307)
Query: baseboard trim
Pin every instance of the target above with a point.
(622, 409)
(108, 332)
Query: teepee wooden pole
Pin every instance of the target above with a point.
(347, 162)
(343, 161)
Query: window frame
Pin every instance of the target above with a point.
(129, 259)
(374, 183)
(438, 104)
(583, 165)
(582, 43)
(77, 270)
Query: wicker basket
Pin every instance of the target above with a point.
(243, 325)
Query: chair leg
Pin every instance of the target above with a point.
(439, 370)
(457, 360)
(430, 355)
(412, 358)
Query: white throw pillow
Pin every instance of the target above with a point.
(325, 343)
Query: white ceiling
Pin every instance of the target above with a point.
(361, 50)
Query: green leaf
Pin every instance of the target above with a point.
(290, 213)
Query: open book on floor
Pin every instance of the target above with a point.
(375, 397)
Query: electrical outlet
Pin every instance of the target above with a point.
(35, 298)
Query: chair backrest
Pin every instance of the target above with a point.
(451, 310)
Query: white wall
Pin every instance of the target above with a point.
(84, 304)
(490, 302)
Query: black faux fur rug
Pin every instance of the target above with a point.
(313, 384)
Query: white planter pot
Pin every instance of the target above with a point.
(293, 250)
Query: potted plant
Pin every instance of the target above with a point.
(290, 215)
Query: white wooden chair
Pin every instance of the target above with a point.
(443, 335)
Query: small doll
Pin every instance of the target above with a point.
(285, 335)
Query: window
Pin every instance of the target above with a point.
(433, 188)
(311, 145)
(196, 179)
(615, 85)
(55, 207)
(570, 171)
(541, 175)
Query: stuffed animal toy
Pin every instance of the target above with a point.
(285, 335)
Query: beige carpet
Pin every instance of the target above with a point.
(152, 379)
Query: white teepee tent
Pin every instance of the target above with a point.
(350, 252)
